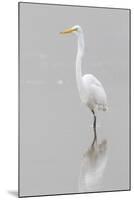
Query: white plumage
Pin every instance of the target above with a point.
(95, 96)
(91, 91)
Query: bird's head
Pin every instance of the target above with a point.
(74, 29)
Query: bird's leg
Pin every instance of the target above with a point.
(94, 127)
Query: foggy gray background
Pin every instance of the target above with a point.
(54, 126)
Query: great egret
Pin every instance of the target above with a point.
(91, 91)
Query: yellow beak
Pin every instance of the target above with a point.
(69, 30)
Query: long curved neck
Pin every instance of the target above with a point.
(80, 53)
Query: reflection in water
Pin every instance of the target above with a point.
(92, 167)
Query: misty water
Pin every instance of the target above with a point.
(55, 127)
(93, 166)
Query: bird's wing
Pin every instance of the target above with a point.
(92, 80)
(95, 90)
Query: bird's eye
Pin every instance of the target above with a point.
(76, 29)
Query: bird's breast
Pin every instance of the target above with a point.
(83, 96)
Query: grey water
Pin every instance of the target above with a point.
(92, 168)
(55, 128)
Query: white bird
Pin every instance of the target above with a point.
(91, 91)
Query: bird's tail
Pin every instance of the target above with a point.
(103, 107)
